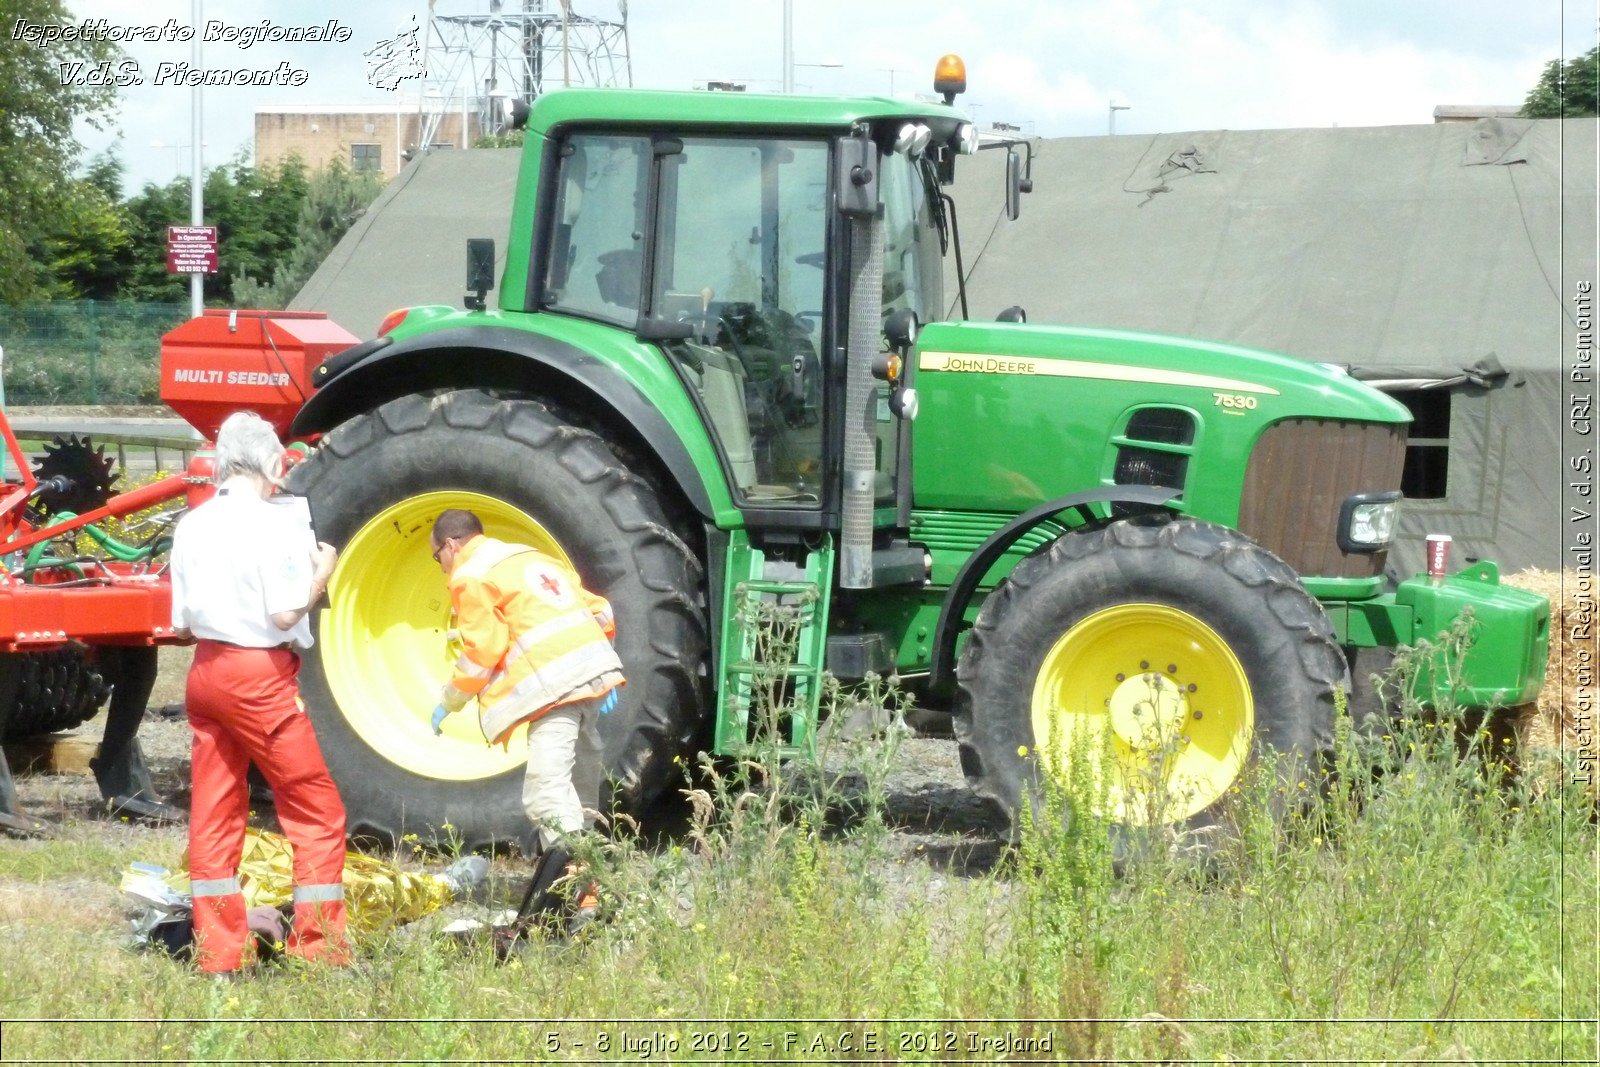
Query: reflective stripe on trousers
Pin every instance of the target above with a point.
(317, 894)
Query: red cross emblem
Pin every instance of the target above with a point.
(549, 585)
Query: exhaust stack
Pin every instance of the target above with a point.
(858, 199)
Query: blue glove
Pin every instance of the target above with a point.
(438, 719)
(608, 703)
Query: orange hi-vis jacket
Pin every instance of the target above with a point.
(532, 637)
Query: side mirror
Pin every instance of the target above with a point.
(480, 271)
(857, 179)
(1013, 185)
(513, 113)
(1014, 313)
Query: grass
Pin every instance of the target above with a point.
(1443, 909)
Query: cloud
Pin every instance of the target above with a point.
(1051, 66)
(1224, 65)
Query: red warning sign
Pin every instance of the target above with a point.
(191, 250)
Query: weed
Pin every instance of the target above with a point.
(1442, 890)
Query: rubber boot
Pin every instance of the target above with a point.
(540, 905)
(541, 899)
(567, 911)
(12, 819)
(119, 766)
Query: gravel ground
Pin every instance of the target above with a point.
(935, 819)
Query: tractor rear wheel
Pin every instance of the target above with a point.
(1169, 656)
(384, 646)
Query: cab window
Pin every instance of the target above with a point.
(741, 243)
(913, 277)
(597, 246)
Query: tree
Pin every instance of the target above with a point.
(37, 150)
(82, 254)
(512, 139)
(1566, 90)
(335, 198)
(150, 212)
(275, 223)
(254, 210)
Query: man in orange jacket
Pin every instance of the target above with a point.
(536, 649)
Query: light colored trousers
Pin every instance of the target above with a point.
(565, 757)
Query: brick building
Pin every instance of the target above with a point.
(1474, 112)
(380, 138)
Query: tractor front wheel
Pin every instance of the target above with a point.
(385, 642)
(1160, 661)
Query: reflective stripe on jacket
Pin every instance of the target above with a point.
(532, 637)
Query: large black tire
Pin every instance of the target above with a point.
(612, 524)
(1252, 600)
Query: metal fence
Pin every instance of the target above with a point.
(84, 351)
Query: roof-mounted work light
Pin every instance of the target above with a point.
(912, 139)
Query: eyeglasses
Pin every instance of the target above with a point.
(442, 546)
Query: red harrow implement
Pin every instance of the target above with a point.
(84, 594)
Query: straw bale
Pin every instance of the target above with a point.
(1572, 659)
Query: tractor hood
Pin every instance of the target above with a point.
(1200, 368)
(1013, 415)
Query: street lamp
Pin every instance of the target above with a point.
(818, 66)
(1111, 120)
(177, 153)
(891, 71)
(788, 47)
(197, 214)
(788, 50)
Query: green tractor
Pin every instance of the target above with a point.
(722, 373)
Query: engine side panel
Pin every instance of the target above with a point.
(1013, 415)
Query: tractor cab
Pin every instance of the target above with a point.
(730, 245)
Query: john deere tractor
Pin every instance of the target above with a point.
(721, 376)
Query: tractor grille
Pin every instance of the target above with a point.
(964, 531)
(1300, 473)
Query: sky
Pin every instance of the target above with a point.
(1052, 68)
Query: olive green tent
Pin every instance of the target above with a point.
(1438, 262)
(410, 247)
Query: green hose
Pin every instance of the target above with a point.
(123, 553)
(52, 561)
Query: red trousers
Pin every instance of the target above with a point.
(244, 708)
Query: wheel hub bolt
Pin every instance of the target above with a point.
(1172, 668)
(1197, 715)
(1122, 677)
(1192, 687)
(1144, 665)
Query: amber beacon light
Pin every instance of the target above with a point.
(950, 77)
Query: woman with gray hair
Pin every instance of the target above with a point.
(246, 573)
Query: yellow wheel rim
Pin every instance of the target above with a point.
(386, 652)
(1157, 699)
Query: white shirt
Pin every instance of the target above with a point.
(237, 560)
